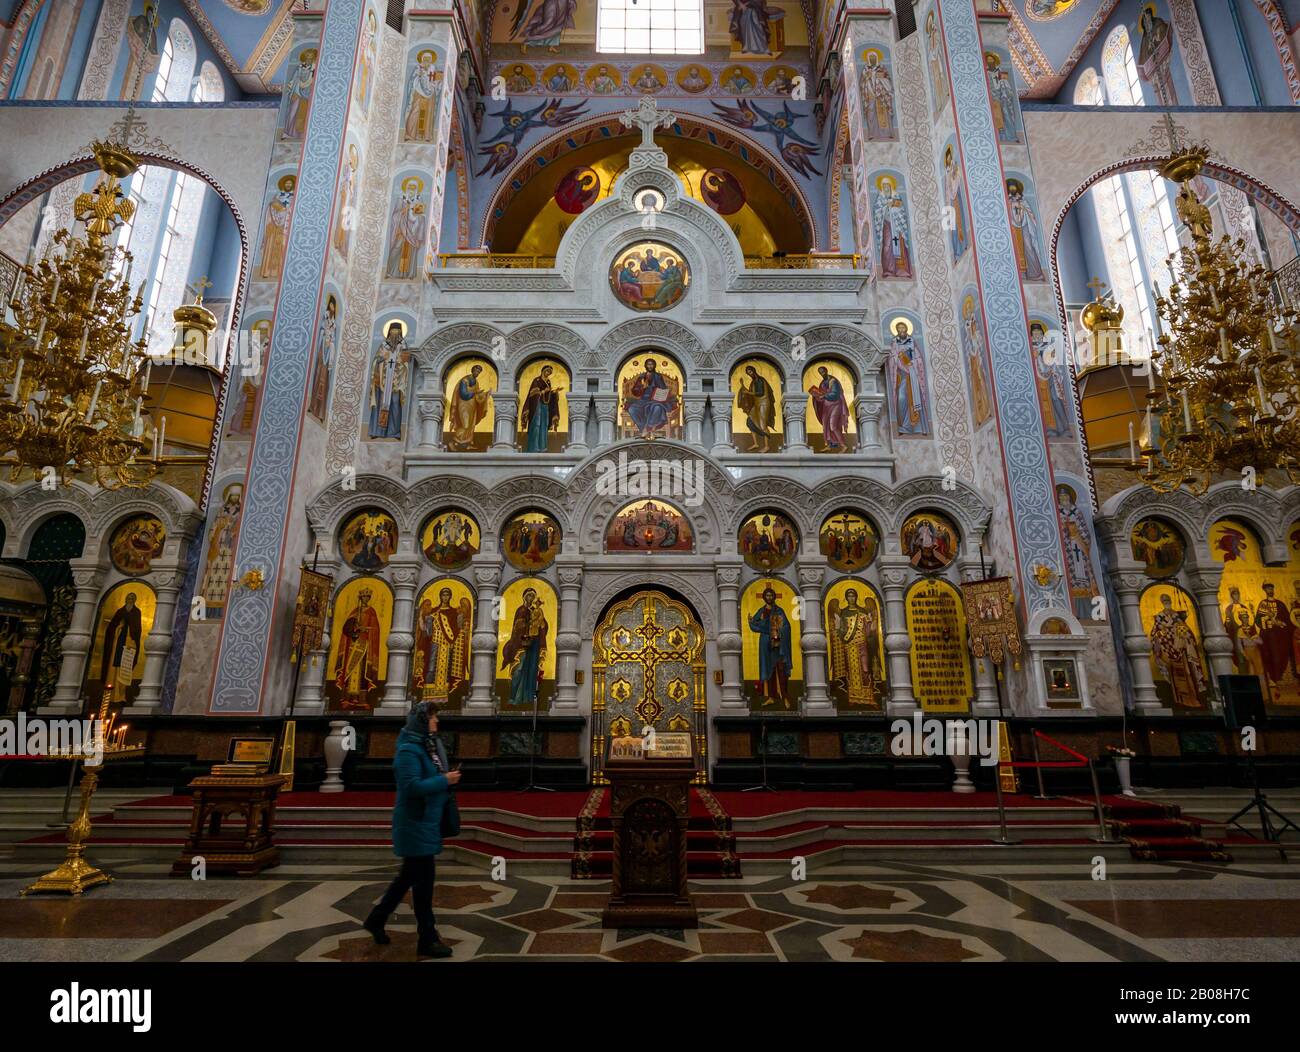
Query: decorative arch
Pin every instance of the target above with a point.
(615, 588)
(607, 126)
(36, 187)
(661, 334)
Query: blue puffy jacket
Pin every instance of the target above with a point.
(421, 797)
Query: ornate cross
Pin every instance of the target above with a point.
(199, 288)
(648, 117)
(1097, 285)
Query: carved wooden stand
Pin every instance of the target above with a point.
(650, 811)
(232, 826)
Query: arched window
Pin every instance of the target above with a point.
(208, 86)
(1088, 90)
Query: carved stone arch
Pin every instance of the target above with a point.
(28, 507)
(545, 339)
(327, 512)
(1267, 512)
(455, 341)
(596, 512)
(585, 477)
(178, 514)
(963, 504)
(662, 334)
(762, 341)
(1125, 510)
(866, 496)
(525, 493)
(597, 601)
(857, 348)
(437, 492)
(793, 499)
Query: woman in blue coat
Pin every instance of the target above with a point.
(423, 779)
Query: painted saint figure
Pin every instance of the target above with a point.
(325, 345)
(122, 640)
(772, 626)
(524, 650)
(878, 98)
(407, 226)
(275, 230)
(546, 27)
(366, 57)
(469, 405)
(955, 197)
(854, 645)
(388, 385)
(908, 400)
(440, 663)
(651, 401)
(1276, 633)
(934, 54)
(750, 25)
(297, 92)
(831, 409)
(356, 669)
(422, 103)
(215, 585)
(541, 412)
(1051, 382)
(972, 343)
(1006, 109)
(1076, 535)
(757, 401)
(347, 202)
(1024, 233)
(1178, 655)
(890, 219)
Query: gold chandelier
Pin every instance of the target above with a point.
(1229, 405)
(73, 379)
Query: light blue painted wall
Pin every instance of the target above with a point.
(168, 10)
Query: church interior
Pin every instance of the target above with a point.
(880, 423)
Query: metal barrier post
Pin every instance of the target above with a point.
(1002, 837)
(1103, 836)
(1038, 769)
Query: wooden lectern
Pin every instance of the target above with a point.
(650, 811)
(232, 826)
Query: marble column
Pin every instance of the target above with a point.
(167, 583)
(506, 423)
(817, 700)
(568, 640)
(607, 419)
(898, 644)
(311, 676)
(1218, 647)
(727, 574)
(796, 437)
(579, 410)
(1137, 646)
(869, 409)
(693, 406)
(67, 700)
(721, 403)
(404, 575)
(985, 702)
(487, 578)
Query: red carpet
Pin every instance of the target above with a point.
(710, 842)
(1159, 832)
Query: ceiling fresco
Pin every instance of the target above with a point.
(1048, 37)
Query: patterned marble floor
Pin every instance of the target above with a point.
(863, 912)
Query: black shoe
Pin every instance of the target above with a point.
(376, 929)
(433, 949)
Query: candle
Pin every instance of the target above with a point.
(155, 445)
(135, 423)
(94, 297)
(1272, 337)
(1225, 352)
(162, 438)
(94, 401)
(54, 293)
(18, 379)
(1259, 386)
(85, 338)
(1132, 444)
(144, 387)
(40, 335)
(1151, 435)
(1187, 414)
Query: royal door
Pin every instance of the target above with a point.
(648, 669)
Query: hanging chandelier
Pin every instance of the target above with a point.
(72, 377)
(1229, 402)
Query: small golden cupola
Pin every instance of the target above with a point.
(1113, 385)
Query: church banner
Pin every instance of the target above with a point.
(991, 618)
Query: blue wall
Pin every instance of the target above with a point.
(167, 11)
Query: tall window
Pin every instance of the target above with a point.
(650, 27)
(166, 61)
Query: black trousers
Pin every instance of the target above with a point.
(416, 876)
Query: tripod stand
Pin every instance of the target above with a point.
(532, 785)
(762, 748)
(1259, 802)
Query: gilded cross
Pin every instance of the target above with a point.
(199, 288)
(648, 118)
(1097, 285)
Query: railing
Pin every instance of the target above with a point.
(9, 271)
(805, 261)
(494, 261)
(1286, 284)
(524, 261)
